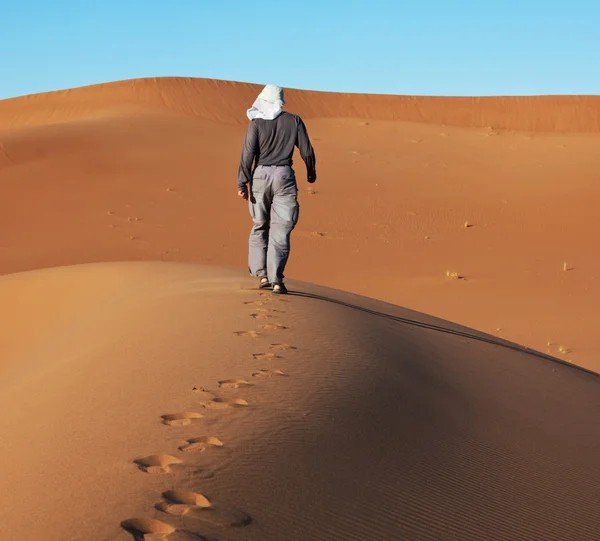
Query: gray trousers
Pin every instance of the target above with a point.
(274, 209)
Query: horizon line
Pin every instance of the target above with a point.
(291, 88)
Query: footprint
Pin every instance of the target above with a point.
(197, 445)
(249, 334)
(222, 403)
(232, 383)
(274, 327)
(268, 373)
(143, 528)
(260, 315)
(183, 418)
(269, 310)
(282, 347)
(255, 303)
(157, 463)
(265, 356)
(175, 509)
(180, 502)
(215, 516)
(186, 497)
(221, 516)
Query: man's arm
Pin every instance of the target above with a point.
(249, 153)
(307, 152)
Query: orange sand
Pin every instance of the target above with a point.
(381, 427)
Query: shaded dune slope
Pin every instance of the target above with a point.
(389, 424)
(220, 101)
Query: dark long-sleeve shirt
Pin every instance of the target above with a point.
(272, 142)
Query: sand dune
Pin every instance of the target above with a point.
(147, 396)
(368, 421)
(117, 172)
(220, 101)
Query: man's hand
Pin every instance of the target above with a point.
(243, 193)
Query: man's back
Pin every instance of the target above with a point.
(272, 142)
(277, 138)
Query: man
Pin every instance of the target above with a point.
(267, 179)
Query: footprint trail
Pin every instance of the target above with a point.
(193, 505)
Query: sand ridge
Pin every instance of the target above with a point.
(152, 397)
(220, 101)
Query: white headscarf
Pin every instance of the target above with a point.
(268, 105)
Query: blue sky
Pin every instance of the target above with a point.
(423, 47)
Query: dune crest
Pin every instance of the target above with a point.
(220, 101)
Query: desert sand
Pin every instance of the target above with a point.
(431, 377)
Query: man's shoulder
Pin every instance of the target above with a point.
(289, 117)
(291, 121)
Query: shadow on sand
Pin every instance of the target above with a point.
(488, 339)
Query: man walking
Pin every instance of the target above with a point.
(267, 179)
